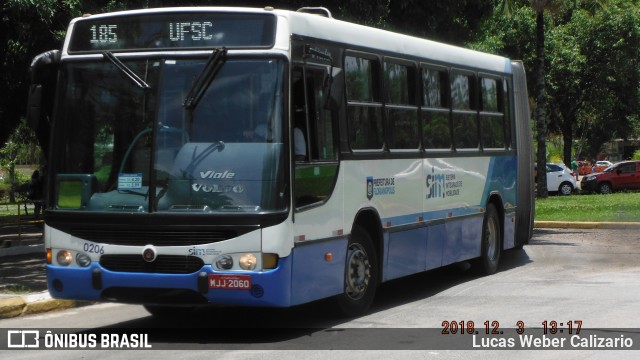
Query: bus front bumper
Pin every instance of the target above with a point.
(95, 283)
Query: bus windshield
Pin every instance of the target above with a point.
(129, 148)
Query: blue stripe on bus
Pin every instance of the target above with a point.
(431, 216)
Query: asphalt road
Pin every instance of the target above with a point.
(585, 277)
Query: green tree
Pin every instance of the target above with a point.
(580, 52)
(22, 140)
(452, 22)
(504, 9)
(27, 28)
(612, 73)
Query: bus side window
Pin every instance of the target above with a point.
(465, 115)
(436, 127)
(492, 120)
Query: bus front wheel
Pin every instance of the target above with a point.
(490, 253)
(361, 274)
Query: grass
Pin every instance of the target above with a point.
(15, 289)
(11, 210)
(623, 206)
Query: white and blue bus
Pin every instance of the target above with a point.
(262, 157)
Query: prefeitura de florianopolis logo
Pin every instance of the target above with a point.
(380, 186)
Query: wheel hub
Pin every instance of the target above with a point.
(358, 272)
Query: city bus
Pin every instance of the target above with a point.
(263, 157)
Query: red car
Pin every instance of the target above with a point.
(623, 175)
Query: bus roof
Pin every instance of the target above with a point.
(348, 34)
(365, 37)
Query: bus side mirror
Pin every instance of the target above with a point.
(334, 89)
(34, 106)
(43, 72)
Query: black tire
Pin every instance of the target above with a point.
(361, 274)
(168, 311)
(605, 188)
(565, 189)
(491, 242)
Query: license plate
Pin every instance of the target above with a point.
(229, 282)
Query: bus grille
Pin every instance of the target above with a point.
(164, 264)
(157, 237)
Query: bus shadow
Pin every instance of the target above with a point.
(425, 285)
(224, 327)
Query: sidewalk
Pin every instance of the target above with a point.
(23, 279)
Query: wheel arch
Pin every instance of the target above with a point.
(369, 219)
(496, 200)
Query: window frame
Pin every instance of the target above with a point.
(445, 105)
(472, 111)
(376, 103)
(410, 106)
(499, 112)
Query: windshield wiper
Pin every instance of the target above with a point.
(197, 158)
(205, 78)
(126, 70)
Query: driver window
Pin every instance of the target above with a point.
(313, 136)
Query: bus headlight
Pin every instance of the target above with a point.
(248, 261)
(83, 260)
(64, 258)
(224, 262)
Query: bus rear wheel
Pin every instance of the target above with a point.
(361, 274)
(491, 244)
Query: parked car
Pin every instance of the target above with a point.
(623, 175)
(560, 179)
(599, 166)
(584, 167)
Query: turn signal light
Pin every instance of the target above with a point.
(269, 261)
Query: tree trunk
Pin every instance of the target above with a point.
(541, 118)
(12, 182)
(567, 138)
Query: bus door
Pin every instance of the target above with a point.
(314, 135)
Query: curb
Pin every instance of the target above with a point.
(34, 304)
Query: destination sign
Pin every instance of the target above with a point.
(168, 30)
